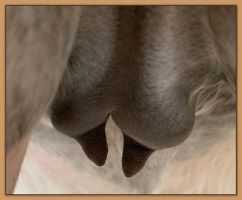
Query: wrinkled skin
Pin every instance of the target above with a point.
(141, 65)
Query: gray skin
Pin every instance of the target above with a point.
(142, 65)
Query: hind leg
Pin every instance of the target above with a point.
(35, 60)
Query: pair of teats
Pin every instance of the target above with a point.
(95, 146)
(143, 66)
